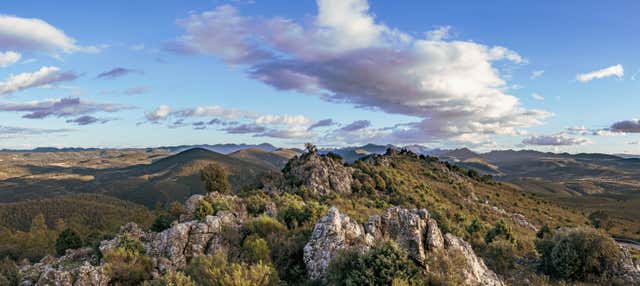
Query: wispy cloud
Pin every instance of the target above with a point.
(117, 72)
(42, 77)
(63, 107)
(617, 71)
(560, 139)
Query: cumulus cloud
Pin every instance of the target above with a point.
(116, 73)
(31, 34)
(537, 96)
(344, 55)
(42, 77)
(627, 126)
(63, 107)
(617, 71)
(87, 120)
(160, 113)
(536, 74)
(322, 123)
(8, 58)
(559, 139)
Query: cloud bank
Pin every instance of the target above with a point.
(344, 55)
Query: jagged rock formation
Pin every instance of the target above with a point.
(413, 230)
(169, 250)
(630, 270)
(318, 173)
(75, 268)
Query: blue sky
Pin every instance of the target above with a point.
(493, 75)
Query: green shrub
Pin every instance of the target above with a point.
(264, 226)
(215, 179)
(500, 230)
(257, 204)
(67, 239)
(162, 222)
(204, 209)
(256, 249)
(379, 266)
(579, 254)
(127, 264)
(500, 255)
(171, 279)
(8, 272)
(217, 271)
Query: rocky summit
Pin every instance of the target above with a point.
(413, 230)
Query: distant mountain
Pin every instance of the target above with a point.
(48, 150)
(222, 148)
(459, 154)
(172, 178)
(275, 159)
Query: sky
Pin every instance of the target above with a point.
(549, 76)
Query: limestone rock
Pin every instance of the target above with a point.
(413, 230)
(331, 234)
(476, 272)
(319, 174)
(407, 227)
(75, 268)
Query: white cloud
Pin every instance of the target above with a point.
(344, 55)
(536, 74)
(440, 33)
(617, 71)
(537, 96)
(42, 77)
(8, 58)
(31, 34)
(160, 113)
(299, 120)
(559, 139)
(215, 111)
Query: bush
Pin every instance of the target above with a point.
(500, 230)
(127, 264)
(579, 254)
(215, 179)
(217, 271)
(171, 279)
(8, 272)
(380, 266)
(67, 239)
(500, 255)
(162, 222)
(264, 226)
(257, 204)
(256, 249)
(204, 209)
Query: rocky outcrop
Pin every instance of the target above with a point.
(318, 173)
(413, 230)
(331, 234)
(630, 267)
(75, 268)
(476, 272)
(169, 250)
